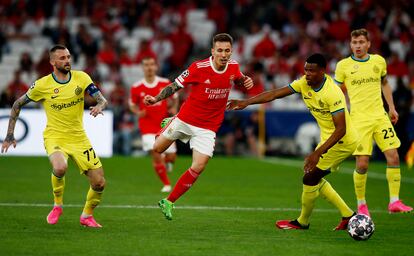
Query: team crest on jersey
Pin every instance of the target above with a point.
(78, 90)
(321, 104)
(185, 73)
(376, 69)
(356, 66)
(309, 94)
(56, 91)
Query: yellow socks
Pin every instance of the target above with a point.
(92, 200)
(394, 182)
(360, 184)
(309, 195)
(327, 192)
(58, 185)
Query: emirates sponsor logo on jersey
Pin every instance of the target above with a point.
(217, 93)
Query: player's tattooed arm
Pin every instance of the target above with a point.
(168, 91)
(102, 103)
(14, 115)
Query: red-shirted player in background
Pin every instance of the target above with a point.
(150, 117)
(202, 113)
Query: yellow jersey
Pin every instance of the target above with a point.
(63, 103)
(362, 79)
(324, 102)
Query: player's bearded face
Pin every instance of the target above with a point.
(314, 74)
(61, 60)
(360, 46)
(221, 53)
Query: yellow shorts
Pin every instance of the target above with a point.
(380, 130)
(335, 155)
(81, 151)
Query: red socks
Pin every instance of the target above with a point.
(183, 184)
(161, 170)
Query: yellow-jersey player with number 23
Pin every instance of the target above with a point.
(363, 77)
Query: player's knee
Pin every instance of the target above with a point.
(362, 167)
(158, 149)
(99, 185)
(198, 167)
(393, 159)
(59, 169)
(310, 179)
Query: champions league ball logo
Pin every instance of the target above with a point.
(361, 227)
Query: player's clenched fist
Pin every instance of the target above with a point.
(149, 100)
(248, 82)
(244, 81)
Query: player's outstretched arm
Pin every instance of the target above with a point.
(260, 98)
(340, 129)
(165, 93)
(387, 92)
(14, 115)
(102, 103)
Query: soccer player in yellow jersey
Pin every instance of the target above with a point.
(326, 103)
(363, 77)
(62, 96)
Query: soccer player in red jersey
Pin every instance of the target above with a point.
(202, 113)
(150, 117)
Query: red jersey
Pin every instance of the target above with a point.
(150, 123)
(210, 88)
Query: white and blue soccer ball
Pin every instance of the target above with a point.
(361, 227)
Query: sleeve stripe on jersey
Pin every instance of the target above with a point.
(338, 82)
(337, 111)
(180, 79)
(179, 83)
(291, 88)
(29, 98)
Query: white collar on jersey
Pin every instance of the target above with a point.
(214, 69)
(151, 85)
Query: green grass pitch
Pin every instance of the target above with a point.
(231, 210)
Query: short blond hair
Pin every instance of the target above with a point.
(360, 32)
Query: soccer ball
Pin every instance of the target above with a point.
(361, 227)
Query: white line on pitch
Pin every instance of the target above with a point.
(207, 208)
(344, 170)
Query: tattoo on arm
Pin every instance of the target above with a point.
(14, 115)
(168, 91)
(100, 99)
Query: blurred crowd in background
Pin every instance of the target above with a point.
(108, 39)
